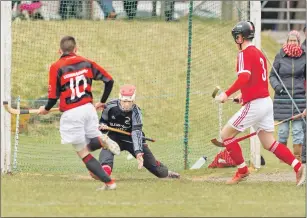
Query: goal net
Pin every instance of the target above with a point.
(174, 52)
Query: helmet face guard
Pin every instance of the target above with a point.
(126, 106)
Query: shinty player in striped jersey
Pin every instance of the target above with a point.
(70, 80)
(124, 114)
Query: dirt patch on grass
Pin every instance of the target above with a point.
(253, 177)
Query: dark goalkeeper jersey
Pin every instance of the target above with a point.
(130, 121)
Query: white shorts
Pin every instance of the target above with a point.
(79, 125)
(257, 114)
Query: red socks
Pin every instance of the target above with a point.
(280, 150)
(107, 169)
(283, 153)
(235, 152)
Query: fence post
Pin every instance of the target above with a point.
(6, 57)
(255, 17)
(188, 87)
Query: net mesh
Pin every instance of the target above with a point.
(145, 44)
(213, 63)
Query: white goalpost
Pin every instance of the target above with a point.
(255, 17)
(6, 51)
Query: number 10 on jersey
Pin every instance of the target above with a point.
(75, 83)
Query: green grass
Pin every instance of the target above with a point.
(51, 181)
(154, 198)
(140, 194)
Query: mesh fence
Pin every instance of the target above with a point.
(213, 63)
(145, 43)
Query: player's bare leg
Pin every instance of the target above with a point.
(94, 166)
(232, 146)
(283, 153)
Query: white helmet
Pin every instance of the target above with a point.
(127, 93)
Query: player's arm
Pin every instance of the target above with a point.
(54, 88)
(101, 74)
(53, 91)
(274, 81)
(104, 119)
(241, 81)
(107, 91)
(244, 69)
(136, 132)
(103, 124)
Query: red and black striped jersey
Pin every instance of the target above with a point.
(70, 80)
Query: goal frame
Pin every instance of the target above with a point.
(255, 17)
(6, 57)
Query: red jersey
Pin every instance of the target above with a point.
(252, 61)
(70, 79)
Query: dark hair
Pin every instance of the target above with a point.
(68, 44)
(304, 28)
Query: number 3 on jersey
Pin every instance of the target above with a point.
(264, 70)
(74, 86)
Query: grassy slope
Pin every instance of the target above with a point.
(151, 55)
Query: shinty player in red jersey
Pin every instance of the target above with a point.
(257, 109)
(70, 79)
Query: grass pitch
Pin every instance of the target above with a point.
(269, 192)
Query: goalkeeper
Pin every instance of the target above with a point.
(124, 114)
